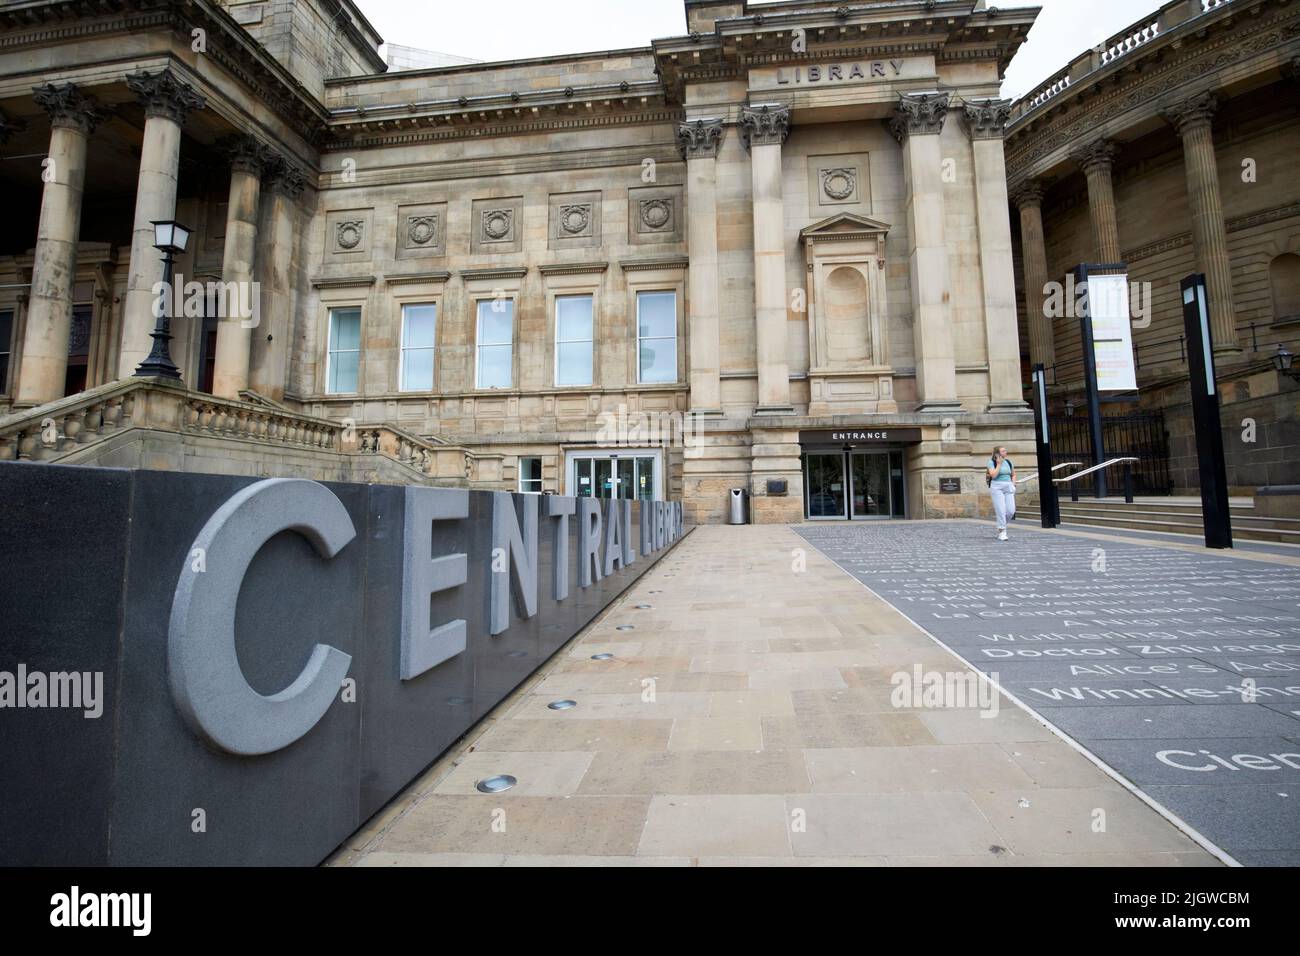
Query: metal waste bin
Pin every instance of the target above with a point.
(737, 506)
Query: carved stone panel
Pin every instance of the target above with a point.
(842, 179)
(497, 225)
(574, 220)
(348, 234)
(655, 214)
(422, 231)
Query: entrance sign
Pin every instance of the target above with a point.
(860, 436)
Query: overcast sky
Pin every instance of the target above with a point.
(514, 29)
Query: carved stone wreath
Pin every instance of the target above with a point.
(574, 219)
(656, 214)
(497, 224)
(839, 184)
(349, 233)
(422, 230)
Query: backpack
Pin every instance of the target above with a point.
(988, 480)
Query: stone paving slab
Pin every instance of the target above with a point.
(1179, 668)
(748, 718)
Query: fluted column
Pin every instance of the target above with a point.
(698, 141)
(73, 116)
(248, 160)
(986, 121)
(1042, 342)
(917, 123)
(765, 129)
(269, 354)
(1096, 160)
(167, 101)
(1192, 118)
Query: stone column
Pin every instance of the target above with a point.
(1042, 342)
(1096, 160)
(73, 116)
(765, 129)
(699, 141)
(917, 123)
(269, 355)
(986, 122)
(166, 101)
(1192, 118)
(248, 159)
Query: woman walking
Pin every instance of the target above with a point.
(1002, 485)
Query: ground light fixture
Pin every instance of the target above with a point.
(565, 704)
(502, 781)
(171, 239)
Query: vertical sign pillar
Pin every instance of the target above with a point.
(1049, 507)
(1205, 413)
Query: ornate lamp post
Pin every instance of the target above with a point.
(170, 238)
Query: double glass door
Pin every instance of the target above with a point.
(610, 477)
(854, 484)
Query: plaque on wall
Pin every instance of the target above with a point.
(949, 486)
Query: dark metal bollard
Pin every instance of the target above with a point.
(1074, 490)
(1128, 482)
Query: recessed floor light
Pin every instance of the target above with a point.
(518, 654)
(645, 607)
(602, 657)
(562, 704)
(626, 627)
(502, 781)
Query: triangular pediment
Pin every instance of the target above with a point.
(843, 225)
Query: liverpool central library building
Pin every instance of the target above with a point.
(772, 253)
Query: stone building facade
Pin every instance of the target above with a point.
(774, 252)
(1171, 148)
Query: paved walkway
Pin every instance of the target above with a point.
(747, 719)
(1177, 666)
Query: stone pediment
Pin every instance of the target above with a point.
(844, 225)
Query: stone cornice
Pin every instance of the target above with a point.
(700, 138)
(163, 95)
(70, 108)
(34, 25)
(986, 119)
(342, 282)
(650, 263)
(1138, 84)
(919, 114)
(411, 278)
(494, 272)
(572, 268)
(765, 125)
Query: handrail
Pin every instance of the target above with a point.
(1065, 464)
(1089, 471)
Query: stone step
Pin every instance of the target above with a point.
(1192, 518)
(1240, 531)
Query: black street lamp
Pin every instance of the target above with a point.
(170, 238)
(1282, 362)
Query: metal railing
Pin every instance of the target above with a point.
(1127, 462)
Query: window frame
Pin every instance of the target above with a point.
(556, 340)
(330, 351)
(479, 302)
(403, 348)
(519, 478)
(676, 338)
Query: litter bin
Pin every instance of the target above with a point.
(737, 506)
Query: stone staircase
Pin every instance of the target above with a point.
(1171, 515)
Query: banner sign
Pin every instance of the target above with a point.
(1112, 332)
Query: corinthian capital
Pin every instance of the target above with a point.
(987, 119)
(285, 178)
(69, 107)
(248, 154)
(1097, 155)
(919, 114)
(699, 139)
(162, 94)
(1028, 193)
(764, 125)
(1195, 112)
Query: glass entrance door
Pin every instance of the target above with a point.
(869, 474)
(827, 495)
